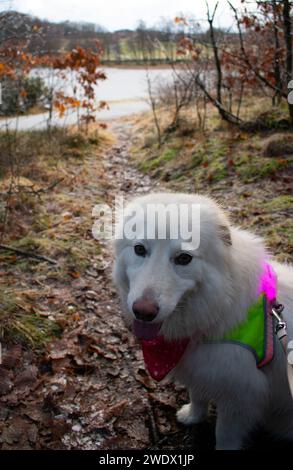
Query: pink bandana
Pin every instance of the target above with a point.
(161, 356)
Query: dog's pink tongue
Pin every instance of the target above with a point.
(145, 330)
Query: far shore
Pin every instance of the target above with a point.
(141, 65)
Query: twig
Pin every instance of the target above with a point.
(152, 422)
(31, 190)
(49, 188)
(28, 254)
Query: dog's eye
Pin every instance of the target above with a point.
(140, 250)
(183, 259)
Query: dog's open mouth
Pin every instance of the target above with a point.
(145, 330)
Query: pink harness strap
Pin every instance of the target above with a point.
(268, 286)
(268, 282)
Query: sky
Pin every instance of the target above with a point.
(120, 14)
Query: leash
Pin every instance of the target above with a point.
(281, 332)
(281, 325)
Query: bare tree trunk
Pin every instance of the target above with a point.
(288, 41)
(240, 99)
(277, 71)
(181, 97)
(215, 51)
(224, 113)
(153, 105)
(204, 118)
(177, 108)
(182, 94)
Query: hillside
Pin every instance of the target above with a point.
(122, 45)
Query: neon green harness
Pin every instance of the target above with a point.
(256, 332)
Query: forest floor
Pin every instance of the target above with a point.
(72, 375)
(86, 388)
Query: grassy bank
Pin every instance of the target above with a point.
(46, 204)
(230, 164)
(140, 63)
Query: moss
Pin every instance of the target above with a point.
(42, 222)
(75, 256)
(259, 168)
(218, 150)
(242, 160)
(218, 173)
(178, 176)
(211, 172)
(279, 203)
(154, 163)
(278, 145)
(69, 250)
(20, 325)
(271, 119)
(28, 243)
(196, 158)
(210, 161)
(33, 329)
(287, 232)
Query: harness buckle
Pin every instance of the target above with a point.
(281, 325)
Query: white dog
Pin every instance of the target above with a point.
(184, 303)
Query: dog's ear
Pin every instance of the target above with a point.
(224, 234)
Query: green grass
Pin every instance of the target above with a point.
(55, 223)
(155, 162)
(280, 203)
(70, 247)
(209, 158)
(26, 148)
(258, 168)
(220, 161)
(20, 325)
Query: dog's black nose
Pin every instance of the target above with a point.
(145, 309)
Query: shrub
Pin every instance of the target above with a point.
(20, 95)
(278, 145)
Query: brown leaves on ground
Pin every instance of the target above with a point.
(88, 388)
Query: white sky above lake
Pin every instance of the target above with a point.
(120, 14)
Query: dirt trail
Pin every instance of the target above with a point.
(123, 407)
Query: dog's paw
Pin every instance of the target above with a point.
(188, 414)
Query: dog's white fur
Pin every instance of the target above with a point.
(203, 300)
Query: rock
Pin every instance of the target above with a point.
(278, 145)
(76, 428)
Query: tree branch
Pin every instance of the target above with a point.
(216, 51)
(225, 114)
(246, 58)
(27, 254)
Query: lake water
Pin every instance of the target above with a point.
(125, 91)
